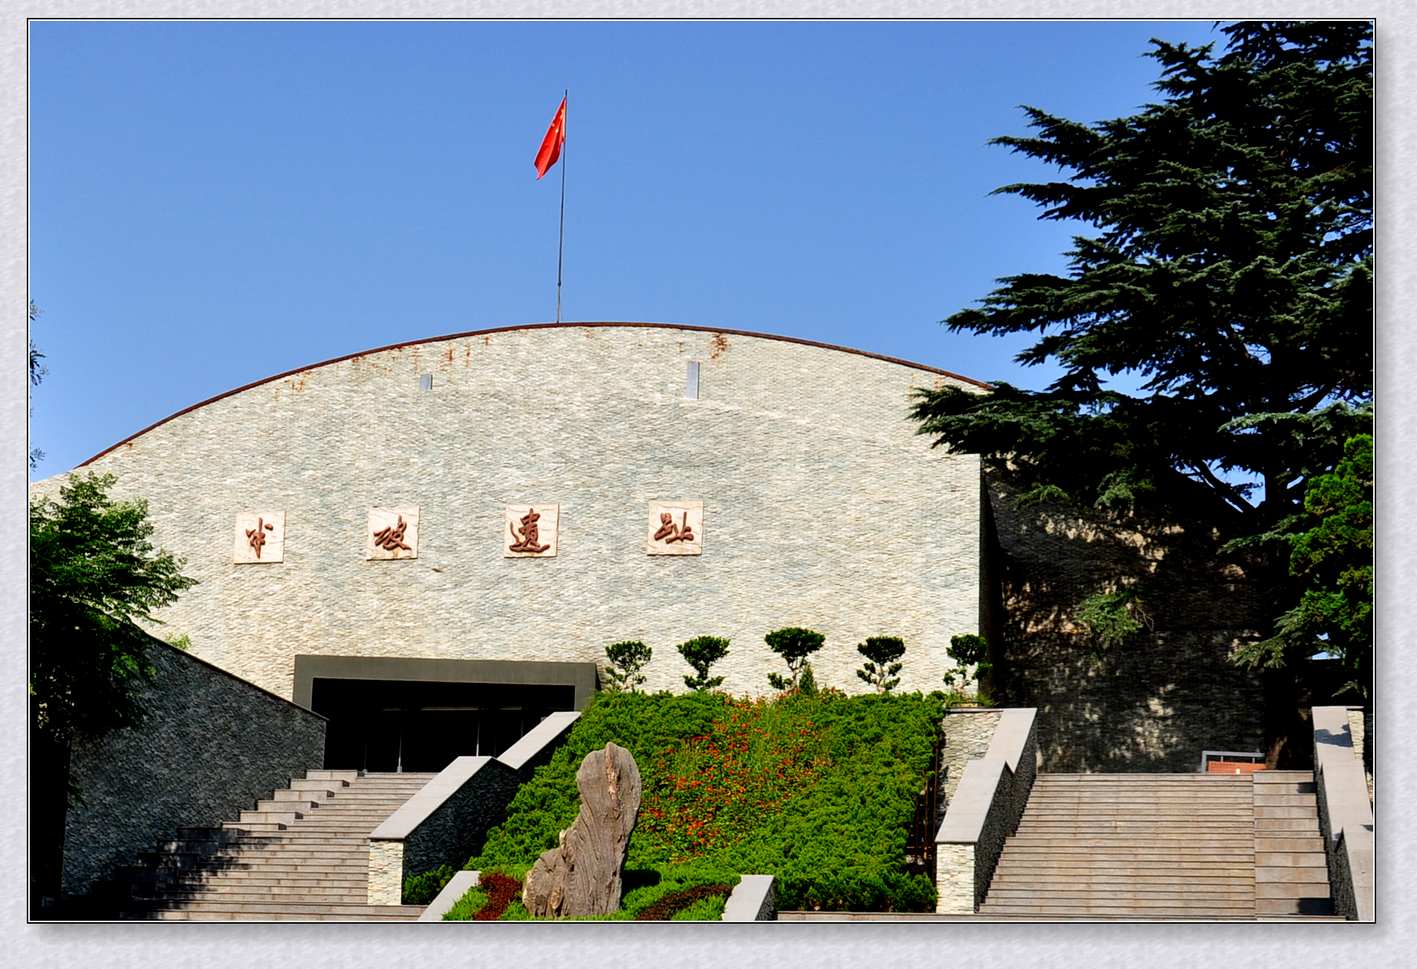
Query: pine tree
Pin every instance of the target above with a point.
(1229, 271)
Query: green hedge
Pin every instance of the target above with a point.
(815, 790)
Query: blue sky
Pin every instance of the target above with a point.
(214, 203)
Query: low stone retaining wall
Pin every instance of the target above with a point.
(1345, 814)
(753, 899)
(986, 807)
(457, 887)
(968, 732)
(447, 821)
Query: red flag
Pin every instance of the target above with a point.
(551, 144)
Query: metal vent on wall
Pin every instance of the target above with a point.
(691, 381)
(425, 382)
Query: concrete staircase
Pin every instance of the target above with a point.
(300, 856)
(1165, 846)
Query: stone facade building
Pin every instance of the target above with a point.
(440, 538)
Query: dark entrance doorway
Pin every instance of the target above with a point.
(401, 725)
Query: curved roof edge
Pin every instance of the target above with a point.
(528, 326)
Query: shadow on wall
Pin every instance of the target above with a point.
(1151, 704)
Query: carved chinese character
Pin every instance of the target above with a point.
(390, 537)
(256, 537)
(531, 531)
(525, 539)
(669, 532)
(259, 538)
(675, 528)
(392, 534)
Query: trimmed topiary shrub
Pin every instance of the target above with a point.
(627, 658)
(794, 645)
(701, 653)
(967, 649)
(883, 655)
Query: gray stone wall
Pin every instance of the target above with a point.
(822, 507)
(1152, 704)
(209, 748)
(454, 832)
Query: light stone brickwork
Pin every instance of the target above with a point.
(967, 735)
(1362, 747)
(828, 510)
(954, 879)
(385, 872)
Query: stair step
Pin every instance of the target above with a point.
(1291, 890)
(1302, 906)
(1245, 905)
(284, 818)
(1122, 850)
(286, 805)
(332, 775)
(1178, 869)
(298, 908)
(1286, 824)
(1293, 876)
(1120, 894)
(1308, 844)
(312, 795)
(268, 893)
(1265, 811)
(1029, 880)
(1163, 837)
(327, 784)
(295, 879)
(228, 916)
(1291, 859)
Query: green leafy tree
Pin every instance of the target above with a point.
(883, 655)
(1331, 558)
(94, 575)
(794, 645)
(701, 653)
(1228, 275)
(969, 651)
(627, 658)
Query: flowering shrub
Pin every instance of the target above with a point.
(815, 790)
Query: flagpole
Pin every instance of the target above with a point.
(561, 244)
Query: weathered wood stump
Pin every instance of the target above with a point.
(582, 875)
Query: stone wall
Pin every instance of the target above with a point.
(1150, 705)
(990, 800)
(1345, 814)
(210, 747)
(821, 505)
(967, 735)
(457, 830)
(1358, 720)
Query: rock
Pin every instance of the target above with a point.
(582, 875)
